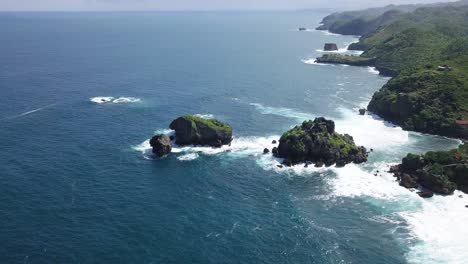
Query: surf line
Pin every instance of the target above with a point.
(28, 112)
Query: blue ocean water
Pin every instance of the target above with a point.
(81, 93)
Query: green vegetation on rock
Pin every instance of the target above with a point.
(439, 171)
(195, 130)
(425, 49)
(316, 141)
(211, 123)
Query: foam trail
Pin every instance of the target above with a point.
(126, 100)
(29, 112)
(282, 111)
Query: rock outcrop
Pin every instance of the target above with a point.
(440, 172)
(316, 141)
(161, 145)
(330, 47)
(345, 59)
(193, 130)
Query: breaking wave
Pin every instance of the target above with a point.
(115, 100)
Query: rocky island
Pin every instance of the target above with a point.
(193, 130)
(345, 59)
(318, 142)
(440, 172)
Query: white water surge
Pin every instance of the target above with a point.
(437, 225)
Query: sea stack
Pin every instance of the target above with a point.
(161, 145)
(194, 130)
(330, 47)
(317, 142)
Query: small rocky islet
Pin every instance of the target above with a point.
(312, 142)
(317, 142)
(192, 130)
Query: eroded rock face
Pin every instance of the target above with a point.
(317, 141)
(440, 172)
(330, 47)
(193, 130)
(161, 145)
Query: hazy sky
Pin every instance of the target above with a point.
(56, 5)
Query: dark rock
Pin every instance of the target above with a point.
(171, 138)
(274, 142)
(466, 206)
(279, 166)
(425, 194)
(266, 151)
(317, 141)
(302, 29)
(306, 165)
(408, 181)
(319, 164)
(362, 111)
(275, 151)
(161, 145)
(340, 163)
(395, 168)
(432, 179)
(330, 47)
(195, 130)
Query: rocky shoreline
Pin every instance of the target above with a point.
(440, 172)
(427, 92)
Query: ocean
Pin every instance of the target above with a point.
(82, 93)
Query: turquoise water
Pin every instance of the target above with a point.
(77, 183)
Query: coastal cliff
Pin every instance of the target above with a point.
(425, 49)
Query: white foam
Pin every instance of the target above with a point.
(369, 131)
(440, 225)
(328, 33)
(110, 99)
(314, 62)
(437, 225)
(283, 111)
(188, 157)
(126, 100)
(240, 147)
(206, 116)
(373, 70)
(101, 99)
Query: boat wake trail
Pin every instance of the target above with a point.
(28, 112)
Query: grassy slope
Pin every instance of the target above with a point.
(410, 48)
